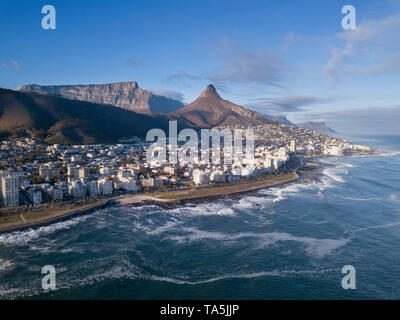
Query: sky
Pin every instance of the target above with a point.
(289, 57)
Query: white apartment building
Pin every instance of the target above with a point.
(200, 177)
(76, 190)
(128, 184)
(10, 189)
(105, 186)
(152, 182)
(56, 193)
(92, 189)
(125, 180)
(35, 195)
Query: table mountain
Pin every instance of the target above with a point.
(125, 95)
(58, 120)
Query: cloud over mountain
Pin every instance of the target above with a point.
(288, 104)
(168, 93)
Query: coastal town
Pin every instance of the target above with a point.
(37, 174)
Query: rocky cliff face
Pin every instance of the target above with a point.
(54, 119)
(125, 95)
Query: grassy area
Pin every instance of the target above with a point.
(39, 214)
(224, 190)
(15, 218)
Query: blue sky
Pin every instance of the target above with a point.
(285, 57)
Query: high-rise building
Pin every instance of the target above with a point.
(293, 146)
(10, 189)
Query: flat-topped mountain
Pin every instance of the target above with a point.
(58, 120)
(210, 110)
(125, 95)
(55, 119)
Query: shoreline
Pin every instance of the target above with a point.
(308, 169)
(210, 193)
(156, 198)
(57, 217)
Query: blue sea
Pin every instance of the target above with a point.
(287, 242)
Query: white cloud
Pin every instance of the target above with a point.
(241, 66)
(181, 75)
(372, 47)
(289, 104)
(168, 93)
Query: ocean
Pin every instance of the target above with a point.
(287, 242)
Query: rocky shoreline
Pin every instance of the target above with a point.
(311, 171)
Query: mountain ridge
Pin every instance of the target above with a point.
(279, 119)
(210, 110)
(56, 119)
(127, 95)
(318, 126)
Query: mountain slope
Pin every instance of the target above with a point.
(125, 95)
(279, 119)
(59, 120)
(210, 110)
(318, 126)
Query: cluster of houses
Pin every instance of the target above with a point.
(34, 172)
